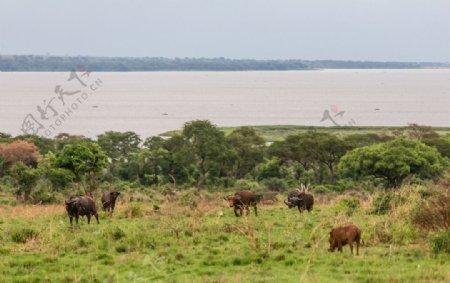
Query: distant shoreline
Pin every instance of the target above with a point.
(41, 63)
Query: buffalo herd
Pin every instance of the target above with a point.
(239, 201)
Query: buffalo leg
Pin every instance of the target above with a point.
(350, 243)
(89, 218)
(256, 210)
(340, 246)
(76, 219)
(235, 211)
(300, 209)
(96, 217)
(357, 246)
(70, 218)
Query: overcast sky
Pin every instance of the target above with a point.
(382, 30)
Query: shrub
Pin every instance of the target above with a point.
(42, 196)
(349, 205)
(118, 233)
(382, 203)
(245, 184)
(394, 161)
(23, 235)
(440, 242)
(321, 189)
(432, 213)
(276, 184)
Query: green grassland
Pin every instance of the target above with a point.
(195, 237)
(279, 132)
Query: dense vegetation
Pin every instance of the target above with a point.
(42, 170)
(31, 63)
(171, 223)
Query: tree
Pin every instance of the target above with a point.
(329, 151)
(393, 161)
(312, 150)
(25, 179)
(45, 145)
(119, 145)
(249, 147)
(208, 144)
(181, 160)
(359, 140)
(63, 138)
(85, 160)
(440, 143)
(19, 151)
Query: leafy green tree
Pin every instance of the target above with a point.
(25, 179)
(249, 148)
(208, 144)
(59, 178)
(154, 143)
(63, 138)
(181, 160)
(329, 150)
(5, 138)
(440, 143)
(359, 140)
(118, 145)
(85, 160)
(45, 145)
(312, 150)
(393, 161)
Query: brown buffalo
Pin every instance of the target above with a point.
(300, 199)
(109, 201)
(81, 206)
(243, 200)
(343, 235)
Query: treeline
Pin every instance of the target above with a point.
(35, 63)
(35, 168)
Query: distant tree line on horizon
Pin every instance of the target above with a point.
(37, 63)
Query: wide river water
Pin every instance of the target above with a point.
(150, 103)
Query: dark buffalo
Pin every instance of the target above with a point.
(81, 206)
(109, 201)
(301, 199)
(343, 235)
(243, 200)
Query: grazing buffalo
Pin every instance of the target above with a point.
(81, 206)
(109, 201)
(343, 235)
(244, 199)
(301, 199)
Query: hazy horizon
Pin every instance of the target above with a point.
(356, 30)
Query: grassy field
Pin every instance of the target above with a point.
(192, 238)
(279, 132)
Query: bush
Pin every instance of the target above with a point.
(382, 203)
(394, 161)
(440, 242)
(23, 235)
(42, 196)
(349, 205)
(276, 184)
(321, 189)
(245, 184)
(432, 212)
